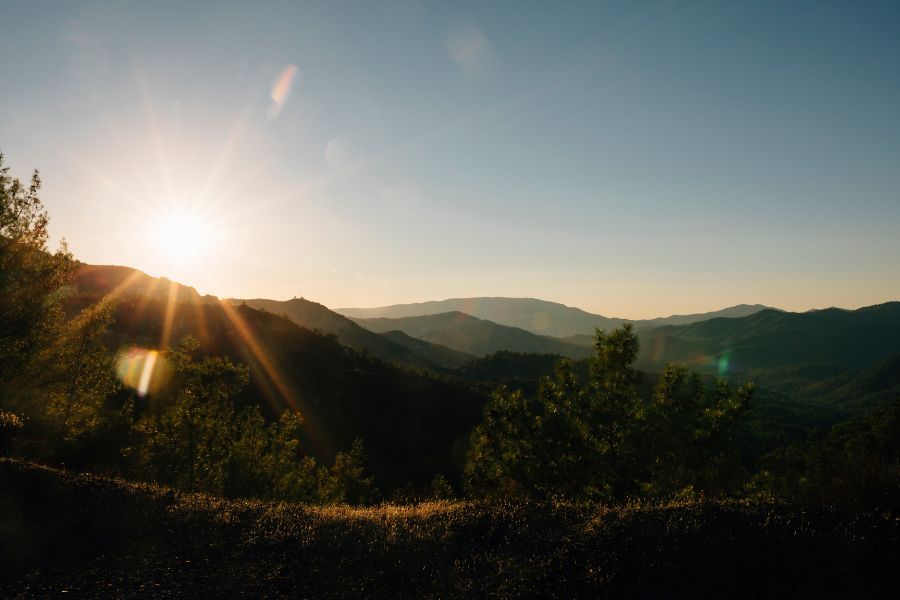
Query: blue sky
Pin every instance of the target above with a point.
(633, 159)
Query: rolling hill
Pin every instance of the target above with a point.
(856, 392)
(401, 350)
(471, 335)
(390, 347)
(774, 339)
(411, 423)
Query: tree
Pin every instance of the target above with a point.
(854, 464)
(30, 277)
(188, 444)
(78, 373)
(689, 435)
(568, 441)
(345, 482)
(611, 414)
(601, 441)
(264, 461)
(197, 440)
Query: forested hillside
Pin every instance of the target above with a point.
(840, 338)
(474, 336)
(396, 349)
(409, 421)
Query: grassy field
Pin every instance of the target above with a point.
(82, 535)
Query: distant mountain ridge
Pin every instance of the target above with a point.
(831, 340)
(536, 316)
(391, 346)
(472, 335)
(126, 282)
(771, 339)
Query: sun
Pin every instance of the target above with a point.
(181, 237)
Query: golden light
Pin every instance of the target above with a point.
(182, 237)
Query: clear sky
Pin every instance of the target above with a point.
(633, 159)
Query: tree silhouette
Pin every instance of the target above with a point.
(30, 278)
(601, 441)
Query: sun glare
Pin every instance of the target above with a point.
(181, 237)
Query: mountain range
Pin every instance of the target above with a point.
(749, 338)
(770, 338)
(350, 377)
(389, 345)
(537, 316)
(474, 336)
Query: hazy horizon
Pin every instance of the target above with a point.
(631, 161)
(338, 307)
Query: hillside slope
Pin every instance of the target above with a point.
(409, 421)
(395, 349)
(126, 281)
(83, 535)
(471, 335)
(769, 339)
(857, 392)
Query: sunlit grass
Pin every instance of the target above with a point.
(141, 536)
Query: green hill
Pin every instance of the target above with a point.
(774, 339)
(857, 392)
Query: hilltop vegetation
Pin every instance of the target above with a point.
(88, 535)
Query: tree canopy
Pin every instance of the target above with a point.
(601, 441)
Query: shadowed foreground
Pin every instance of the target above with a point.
(88, 535)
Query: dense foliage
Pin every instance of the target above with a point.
(854, 464)
(30, 277)
(602, 441)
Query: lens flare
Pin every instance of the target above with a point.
(723, 364)
(282, 89)
(144, 371)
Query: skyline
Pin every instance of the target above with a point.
(634, 162)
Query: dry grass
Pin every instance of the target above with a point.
(95, 536)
